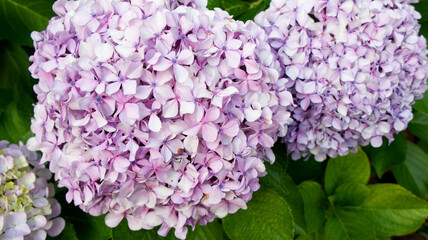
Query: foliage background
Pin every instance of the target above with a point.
(374, 194)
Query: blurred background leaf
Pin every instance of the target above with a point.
(18, 18)
(16, 93)
(422, 8)
(14, 65)
(239, 9)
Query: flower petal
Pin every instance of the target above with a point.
(180, 73)
(113, 219)
(233, 58)
(209, 132)
(155, 123)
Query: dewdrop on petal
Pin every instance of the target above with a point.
(27, 207)
(158, 113)
(354, 68)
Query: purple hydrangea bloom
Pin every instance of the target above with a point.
(354, 68)
(27, 207)
(160, 112)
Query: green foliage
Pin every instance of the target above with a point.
(278, 180)
(268, 217)
(358, 211)
(350, 194)
(422, 7)
(413, 172)
(387, 155)
(392, 210)
(307, 169)
(334, 229)
(419, 125)
(352, 168)
(16, 94)
(14, 65)
(422, 104)
(212, 231)
(19, 18)
(408, 162)
(314, 201)
(239, 9)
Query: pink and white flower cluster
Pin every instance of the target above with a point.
(354, 68)
(156, 111)
(27, 207)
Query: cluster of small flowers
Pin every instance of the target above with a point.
(27, 209)
(156, 111)
(354, 68)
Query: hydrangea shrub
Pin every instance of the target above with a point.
(354, 68)
(156, 111)
(27, 207)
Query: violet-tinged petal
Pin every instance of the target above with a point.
(113, 219)
(233, 58)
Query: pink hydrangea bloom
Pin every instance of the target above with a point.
(354, 68)
(27, 207)
(156, 111)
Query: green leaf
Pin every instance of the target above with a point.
(413, 172)
(234, 7)
(281, 155)
(355, 225)
(387, 156)
(69, 233)
(16, 93)
(389, 209)
(15, 116)
(19, 18)
(419, 125)
(303, 170)
(423, 145)
(253, 9)
(278, 180)
(14, 72)
(383, 238)
(241, 10)
(335, 229)
(421, 105)
(214, 4)
(422, 7)
(122, 232)
(212, 231)
(268, 217)
(350, 194)
(314, 236)
(314, 201)
(91, 228)
(353, 168)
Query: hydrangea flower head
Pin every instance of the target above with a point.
(354, 68)
(27, 207)
(159, 112)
